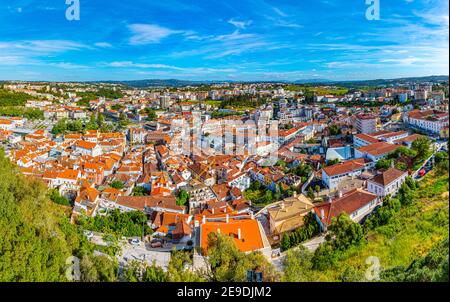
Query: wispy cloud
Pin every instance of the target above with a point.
(240, 24)
(279, 12)
(149, 33)
(43, 46)
(130, 64)
(103, 44)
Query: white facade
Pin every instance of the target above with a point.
(433, 126)
(332, 182)
(366, 125)
(359, 214)
(390, 189)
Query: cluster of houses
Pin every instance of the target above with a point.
(103, 171)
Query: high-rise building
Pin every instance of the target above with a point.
(366, 123)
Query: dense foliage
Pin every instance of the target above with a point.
(342, 234)
(79, 126)
(29, 113)
(36, 237)
(117, 184)
(86, 97)
(182, 198)
(10, 98)
(128, 224)
(431, 268)
(229, 264)
(57, 198)
(301, 234)
(178, 270)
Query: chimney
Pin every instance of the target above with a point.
(204, 219)
(212, 210)
(282, 205)
(227, 218)
(339, 194)
(239, 234)
(218, 231)
(322, 213)
(252, 216)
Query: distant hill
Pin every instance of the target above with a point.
(157, 83)
(377, 82)
(151, 83)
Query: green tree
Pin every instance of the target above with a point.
(57, 198)
(345, 232)
(133, 271)
(117, 184)
(298, 266)
(140, 191)
(229, 264)
(383, 164)
(317, 189)
(405, 194)
(401, 166)
(310, 193)
(179, 268)
(182, 198)
(334, 129)
(285, 242)
(154, 273)
(31, 250)
(92, 124)
(60, 127)
(410, 183)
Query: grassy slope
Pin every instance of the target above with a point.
(409, 236)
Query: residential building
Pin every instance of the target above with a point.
(387, 182)
(357, 203)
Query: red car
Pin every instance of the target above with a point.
(422, 172)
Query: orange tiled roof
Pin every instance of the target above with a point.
(250, 233)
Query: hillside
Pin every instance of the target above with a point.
(403, 245)
(36, 237)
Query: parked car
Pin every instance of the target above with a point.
(135, 241)
(422, 173)
(156, 244)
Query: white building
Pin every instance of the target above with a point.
(366, 123)
(375, 151)
(333, 175)
(429, 120)
(387, 182)
(88, 148)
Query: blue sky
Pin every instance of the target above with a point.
(222, 40)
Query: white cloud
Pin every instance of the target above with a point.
(279, 12)
(66, 65)
(103, 45)
(149, 33)
(43, 46)
(130, 64)
(240, 24)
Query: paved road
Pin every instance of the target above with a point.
(131, 252)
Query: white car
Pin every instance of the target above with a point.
(135, 241)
